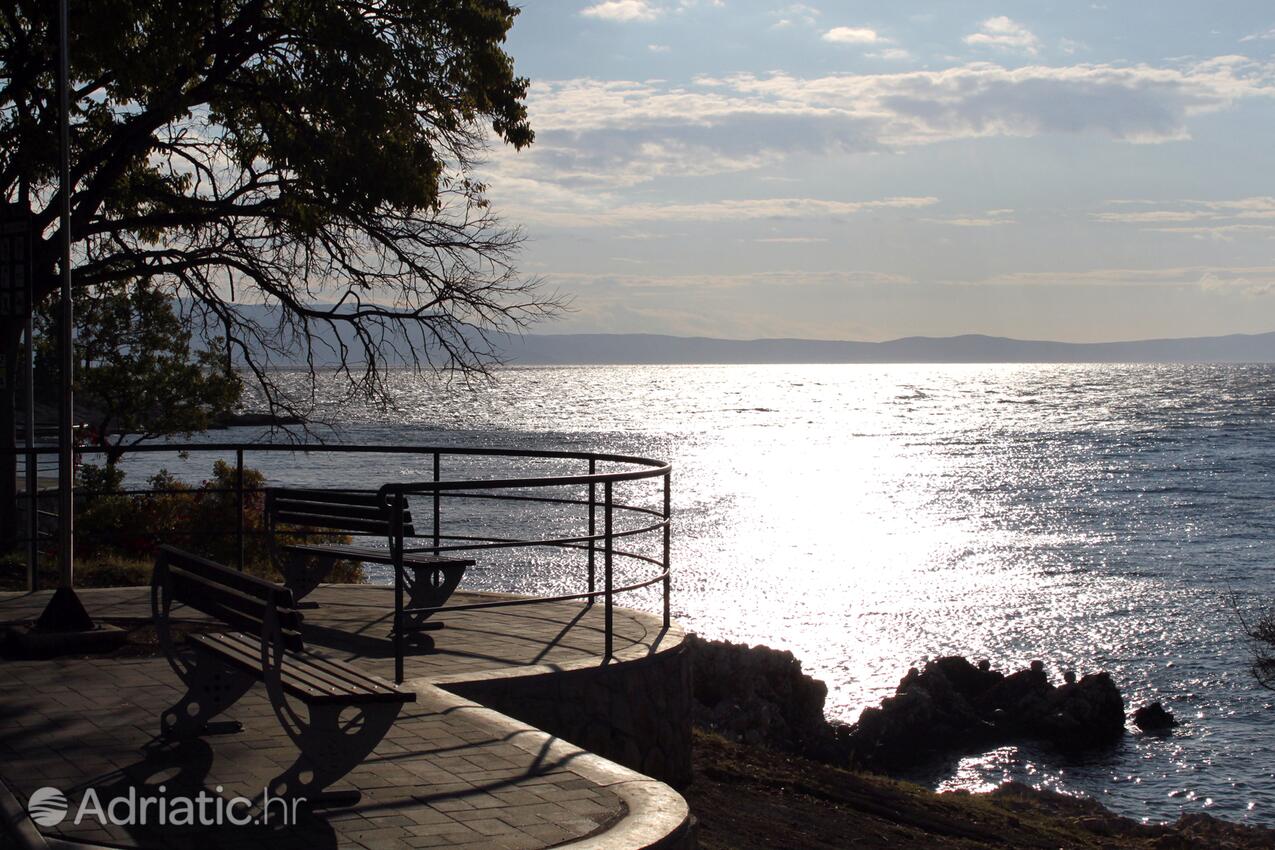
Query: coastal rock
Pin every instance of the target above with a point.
(955, 706)
(1154, 719)
(759, 695)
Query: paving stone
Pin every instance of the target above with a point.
(440, 778)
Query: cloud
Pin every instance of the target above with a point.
(893, 54)
(1269, 35)
(1151, 216)
(701, 282)
(622, 11)
(1252, 282)
(1004, 34)
(1216, 232)
(795, 13)
(993, 218)
(597, 138)
(615, 212)
(766, 208)
(851, 35)
(658, 48)
(1239, 278)
(1214, 220)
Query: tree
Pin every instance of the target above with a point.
(316, 156)
(1261, 633)
(136, 370)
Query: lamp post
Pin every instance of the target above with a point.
(65, 612)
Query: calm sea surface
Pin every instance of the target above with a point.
(871, 517)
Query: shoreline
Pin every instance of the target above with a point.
(749, 798)
(759, 699)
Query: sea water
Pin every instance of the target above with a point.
(870, 517)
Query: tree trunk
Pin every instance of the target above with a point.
(10, 335)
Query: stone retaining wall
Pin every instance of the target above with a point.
(634, 712)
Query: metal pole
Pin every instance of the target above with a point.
(66, 473)
(437, 506)
(593, 529)
(239, 499)
(396, 555)
(33, 481)
(668, 533)
(33, 464)
(606, 561)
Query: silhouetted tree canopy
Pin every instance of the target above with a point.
(135, 368)
(1262, 634)
(312, 155)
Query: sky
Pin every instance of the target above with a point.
(1080, 171)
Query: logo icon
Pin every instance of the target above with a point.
(47, 807)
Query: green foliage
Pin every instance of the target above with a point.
(135, 368)
(104, 570)
(99, 480)
(115, 528)
(13, 570)
(299, 153)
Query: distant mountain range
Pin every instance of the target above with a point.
(542, 349)
(571, 349)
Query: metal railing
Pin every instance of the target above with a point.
(636, 469)
(626, 524)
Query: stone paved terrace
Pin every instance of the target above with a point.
(451, 773)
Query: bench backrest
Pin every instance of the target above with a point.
(351, 511)
(235, 598)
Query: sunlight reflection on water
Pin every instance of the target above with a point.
(870, 517)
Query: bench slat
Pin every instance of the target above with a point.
(328, 674)
(333, 522)
(211, 570)
(307, 677)
(379, 556)
(302, 668)
(370, 498)
(244, 652)
(201, 593)
(376, 513)
(343, 676)
(358, 511)
(228, 595)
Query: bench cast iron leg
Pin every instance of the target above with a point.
(301, 578)
(334, 742)
(211, 688)
(428, 587)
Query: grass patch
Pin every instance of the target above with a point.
(750, 798)
(108, 569)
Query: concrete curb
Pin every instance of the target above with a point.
(15, 825)
(657, 818)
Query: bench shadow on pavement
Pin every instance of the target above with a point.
(181, 769)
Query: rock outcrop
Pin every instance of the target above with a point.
(954, 706)
(1154, 719)
(759, 695)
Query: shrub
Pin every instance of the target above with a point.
(114, 527)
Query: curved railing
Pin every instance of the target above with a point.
(607, 528)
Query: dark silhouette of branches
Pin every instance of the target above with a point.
(313, 156)
(1261, 634)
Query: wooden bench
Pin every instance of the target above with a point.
(265, 644)
(428, 580)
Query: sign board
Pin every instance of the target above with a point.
(15, 265)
